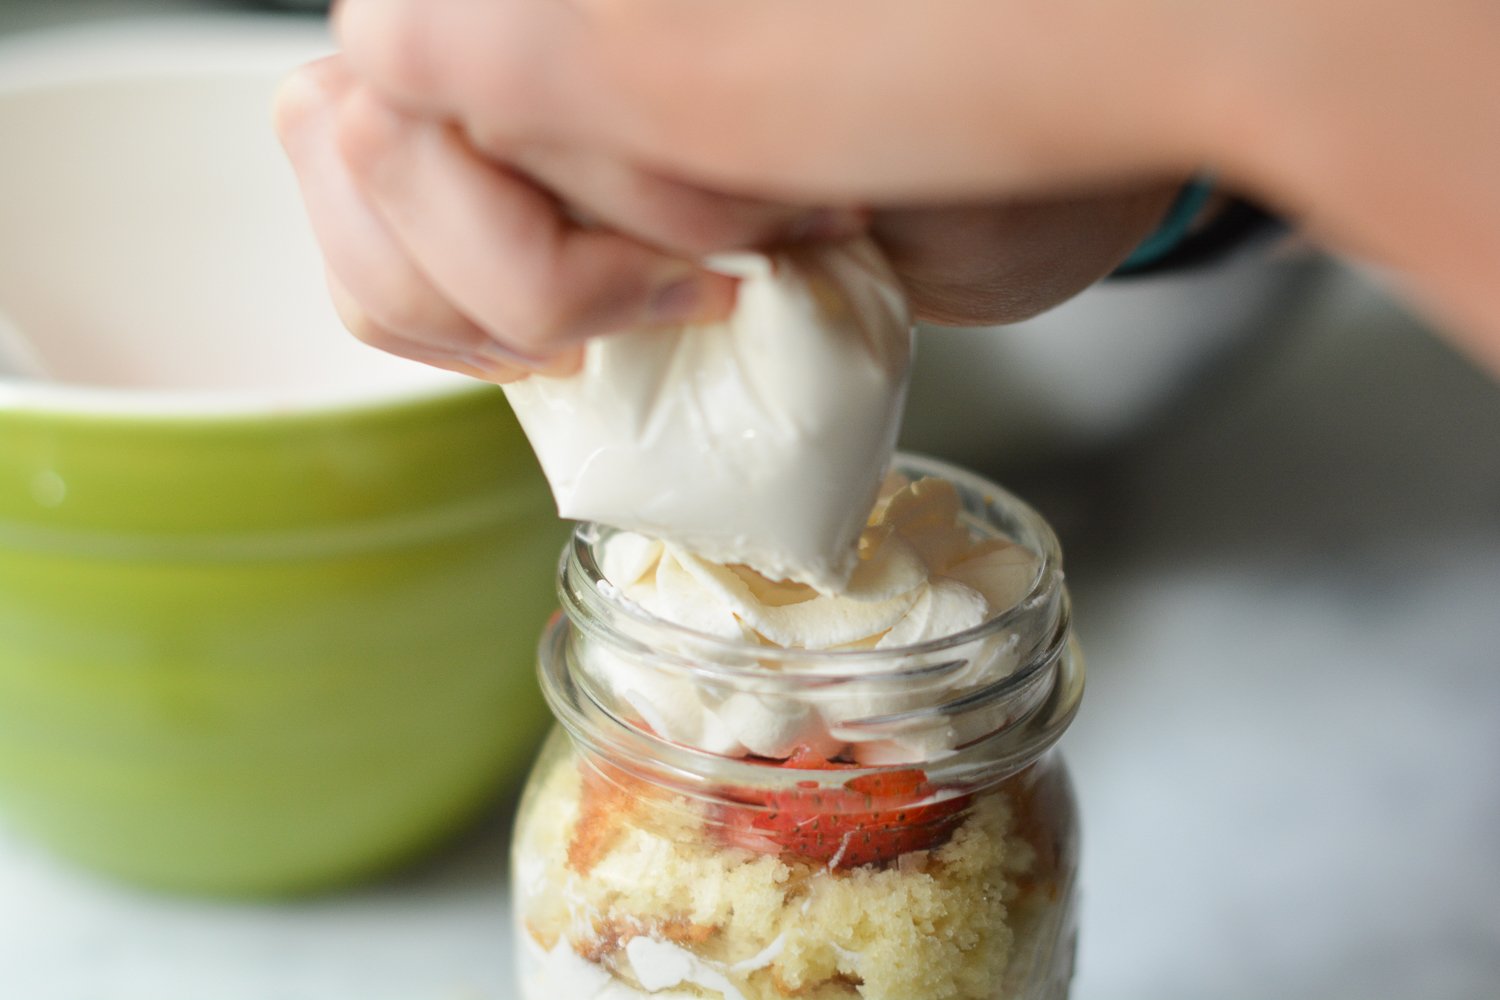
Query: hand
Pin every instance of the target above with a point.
(1376, 124)
(477, 263)
(437, 256)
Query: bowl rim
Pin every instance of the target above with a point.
(176, 46)
(92, 404)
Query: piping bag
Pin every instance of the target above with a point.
(760, 440)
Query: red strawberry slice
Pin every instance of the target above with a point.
(871, 819)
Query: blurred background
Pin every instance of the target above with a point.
(1279, 495)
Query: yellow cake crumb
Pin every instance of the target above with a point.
(936, 925)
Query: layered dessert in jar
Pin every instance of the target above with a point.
(763, 789)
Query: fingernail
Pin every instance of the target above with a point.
(826, 224)
(485, 368)
(495, 351)
(496, 355)
(677, 301)
(701, 297)
(298, 101)
(472, 366)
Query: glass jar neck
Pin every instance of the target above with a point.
(698, 710)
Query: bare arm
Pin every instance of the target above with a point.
(1374, 124)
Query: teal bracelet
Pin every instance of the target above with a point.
(1174, 227)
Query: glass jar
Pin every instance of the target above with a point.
(921, 845)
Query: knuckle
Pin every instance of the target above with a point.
(545, 313)
(409, 306)
(533, 310)
(366, 131)
(364, 328)
(372, 334)
(490, 137)
(389, 43)
(296, 104)
(687, 230)
(688, 220)
(307, 94)
(399, 310)
(402, 314)
(537, 324)
(701, 230)
(571, 307)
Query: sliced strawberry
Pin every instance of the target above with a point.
(871, 819)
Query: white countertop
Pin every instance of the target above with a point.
(1289, 749)
(1287, 757)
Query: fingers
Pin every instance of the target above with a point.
(380, 294)
(502, 250)
(367, 329)
(437, 256)
(891, 101)
(819, 103)
(677, 217)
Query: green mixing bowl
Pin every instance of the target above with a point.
(268, 598)
(258, 656)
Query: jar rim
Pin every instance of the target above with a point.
(586, 595)
(706, 775)
(1038, 697)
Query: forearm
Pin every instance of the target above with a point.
(1374, 127)
(1374, 124)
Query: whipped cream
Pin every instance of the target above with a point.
(660, 965)
(760, 440)
(562, 974)
(661, 968)
(921, 575)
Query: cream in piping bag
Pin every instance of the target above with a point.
(760, 440)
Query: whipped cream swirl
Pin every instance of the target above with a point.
(922, 574)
